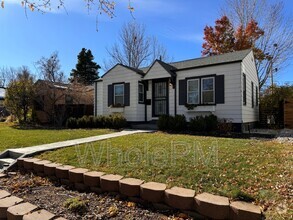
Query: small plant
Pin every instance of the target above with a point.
(164, 123)
(177, 123)
(190, 106)
(71, 123)
(197, 124)
(225, 126)
(204, 123)
(211, 123)
(76, 205)
(117, 121)
(242, 196)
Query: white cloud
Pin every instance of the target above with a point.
(196, 38)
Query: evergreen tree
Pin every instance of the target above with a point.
(86, 70)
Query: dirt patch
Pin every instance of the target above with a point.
(64, 202)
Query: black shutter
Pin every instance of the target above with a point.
(220, 89)
(127, 94)
(110, 95)
(182, 92)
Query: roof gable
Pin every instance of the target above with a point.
(140, 72)
(159, 69)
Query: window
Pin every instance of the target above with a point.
(208, 90)
(256, 96)
(252, 95)
(244, 88)
(140, 93)
(193, 91)
(119, 94)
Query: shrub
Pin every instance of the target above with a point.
(197, 124)
(211, 123)
(164, 122)
(91, 121)
(117, 121)
(82, 122)
(204, 123)
(99, 122)
(225, 126)
(177, 123)
(71, 123)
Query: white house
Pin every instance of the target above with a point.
(225, 85)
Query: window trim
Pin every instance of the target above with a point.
(143, 93)
(198, 90)
(201, 92)
(244, 89)
(114, 100)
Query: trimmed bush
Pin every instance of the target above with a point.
(211, 123)
(207, 123)
(163, 122)
(197, 124)
(116, 121)
(177, 123)
(71, 123)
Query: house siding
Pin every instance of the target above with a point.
(99, 98)
(156, 72)
(120, 74)
(231, 109)
(249, 113)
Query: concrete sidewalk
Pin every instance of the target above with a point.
(57, 145)
(9, 156)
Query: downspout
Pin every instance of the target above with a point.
(95, 99)
(145, 101)
(175, 92)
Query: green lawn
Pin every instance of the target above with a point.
(237, 168)
(12, 136)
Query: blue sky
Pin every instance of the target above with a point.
(177, 24)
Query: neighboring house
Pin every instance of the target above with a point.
(58, 101)
(3, 111)
(2, 96)
(225, 85)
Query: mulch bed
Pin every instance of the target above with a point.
(50, 195)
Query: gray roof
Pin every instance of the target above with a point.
(210, 60)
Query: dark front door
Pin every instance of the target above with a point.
(160, 97)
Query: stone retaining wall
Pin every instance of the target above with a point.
(206, 205)
(14, 208)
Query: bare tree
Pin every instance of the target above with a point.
(102, 6)
(135, 48)
(50, 69)
(50, 90)
(277, 41)
(6, 76)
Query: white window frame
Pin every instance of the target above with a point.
(202, 90)
(115, 85)
(141, 101)
(198, 87)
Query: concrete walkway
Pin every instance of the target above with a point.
(9, 156)
(57, 145)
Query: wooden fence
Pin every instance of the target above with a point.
(288, 113)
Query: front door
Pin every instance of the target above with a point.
(160, 97)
